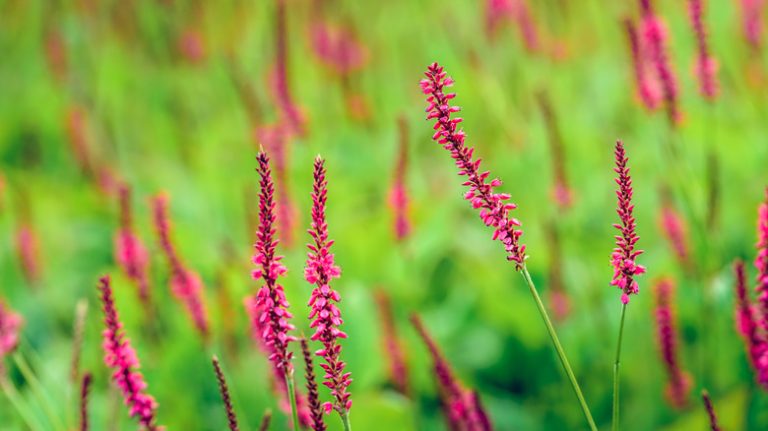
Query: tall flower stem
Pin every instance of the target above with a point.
(13, 396)
(289, 383)
(345, 421)
(615, 420)
(559, 349)
(38, 390)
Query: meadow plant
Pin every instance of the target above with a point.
(85, 389)
(679, 382)
(654, 36)
(705, 67)
(398, 192)
(28, 252)
(225, 397)
(313, 397)
(392, 345)
(710, 411)
(130, 253)
(10, 326)
(647, 86)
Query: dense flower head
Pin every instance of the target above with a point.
(647, 86)
(624, 255)
(225, 397)
(761, 262)
(130, 252)
(706, 65)
(679, 384)
(185, 284)
(324, 314)
(122, 359)
(10, 325)
(654, 36)
(494, 210)
(271, 304)
(313, 398)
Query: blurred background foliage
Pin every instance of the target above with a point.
(169, 94)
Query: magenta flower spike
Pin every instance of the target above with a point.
(27, 249)
(122, 359)
(624, 255)
(647, 86)
(748, 326)
(398, 370)
(130, 252)
(654, 37)
(710, 411)
(679, 384)
(324, 314)
(494, 210)
(10, 325)
(674, 228)
(186, 285)
(273, 314)
(398, 193)
(313, 398)
(85, 388)
(338, 48)
(275, 140)
(706, 65)
(761, 262)
(752, 22)
(225, 397)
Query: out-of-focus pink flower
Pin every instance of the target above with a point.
(674, 228)
(654, 36)
(78, 138)
(27, 249)
(192, 45)
(679, 384)
(130, 252)
(313, 398)
(186, 285)
(752, 22)
(761, 261)
(122, 359)
(747, 317)
(337, 47)
(706, 66)
(56, 54)
(624, 255)
(324, 314)
(290, 113)
(393, 350)
(10, 325)
(398, 193)
(275, 139)
(646, 83)
(517, 11)
(494, 210)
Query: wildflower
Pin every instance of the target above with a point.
(674, 229)
(288, 109)
(752, 22)
(761, 261)
(325, 316)
(10, 325)
(313, 397)
(648, 87)
(122, 359)
(624, 255)
(710, 411)
(494, 211)
(747, 319)
(398, 370)
(655, 35)
(186, 285)
(679, 381)
(706, 65)
(27, 249)
(225, 398)
(275, 139)
(398, 194)
(85, 388)
(130, 253)
(337, 47)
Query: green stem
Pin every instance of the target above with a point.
(345, 420)
(559, 349)
(37, 388)
(615, 421)
(292, 397)
(13, 396)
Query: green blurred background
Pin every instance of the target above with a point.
(167, 115)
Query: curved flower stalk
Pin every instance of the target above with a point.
(122, 359)
(398, 370)
(655, 37)
(679, 384)
(706, 66)
(313, 398)
(324, 314)
(398, 193)
(463, 410)
(130, 253)
(710, 411)
(494, 210)
(674, 228)
(186, 285)
(647, 86)
(225, 398)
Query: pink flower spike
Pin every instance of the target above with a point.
(10, 325)
(747, 317)
(324, 314)
(647, 86)
(674, 228)
(27, 249)
(398, 193)
(752, 22)
(494, 211)
(270, 306)
(710, 411)
(130, 253)
(654, 38)
(275, 139)
(624, 255)
(706, 65)
(122, 359)
(761, 261)
(679, 384)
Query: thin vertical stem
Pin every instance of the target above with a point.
(37, 388)
(345, 421)
(15, 399)
(289, 383)
(615, 420)
(559, 349)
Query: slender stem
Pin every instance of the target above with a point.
(615, 421)
(37, 388)
(345, 420)
(559, 349)
(15, 399)
(292, 397)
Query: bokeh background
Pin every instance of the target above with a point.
(166, 96)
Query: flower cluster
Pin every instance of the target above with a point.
(624, 255)
(186, 285)
(271, 304)
(674, 229)
(752, 22)
(654, 38)
(398, 193)
(130, 253)
(120, 356)
(648, 87)
(494, 210)
(325, 315)
(10, 324)
(225, 397)
(706, 65)
(461, 406)
(337, 47)
(679, 382)
(313, 398)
